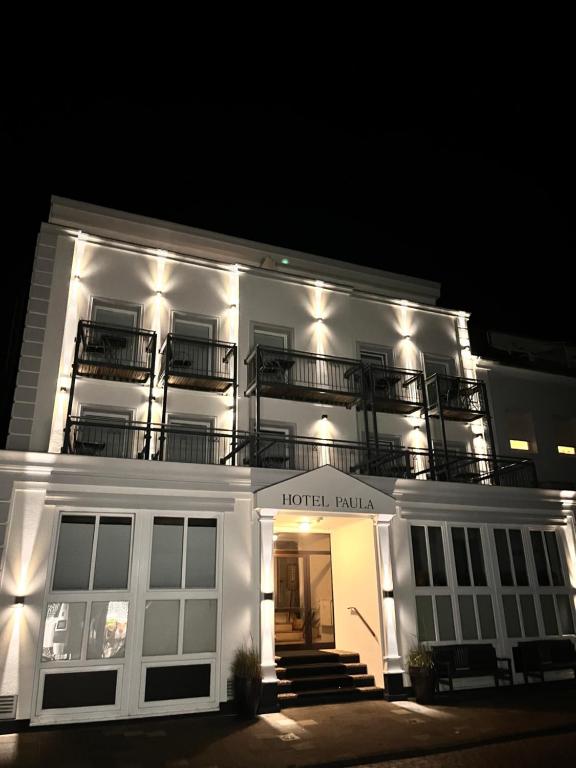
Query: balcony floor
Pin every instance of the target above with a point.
(456, 414)
(386, 405)
(112, 371)
(198, 382)
(286, 391)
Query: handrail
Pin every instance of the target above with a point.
(355, 612)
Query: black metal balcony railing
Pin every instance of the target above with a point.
(177, 442)
(392, 390)
(292, 375)
(106, 436)
(456, 398)
(123, 439)
(484, 469)
(114, 352)
(200, 364)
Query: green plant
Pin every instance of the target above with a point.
(246, 663)
(420, 657)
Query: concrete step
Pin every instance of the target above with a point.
(325, 682)
(312, 670)
(289, 637)
(298, 658)
(329, 695)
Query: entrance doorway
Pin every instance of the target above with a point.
(304, 607)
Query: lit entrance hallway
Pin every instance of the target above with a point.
(313, 572)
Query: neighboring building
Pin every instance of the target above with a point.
(532, 385)
(215, 440)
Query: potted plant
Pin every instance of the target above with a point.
(420, 662)
(247, 676)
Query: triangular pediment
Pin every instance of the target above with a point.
(325, 489)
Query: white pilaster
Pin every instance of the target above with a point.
(392, 661)
(267, 654)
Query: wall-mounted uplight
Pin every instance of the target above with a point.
(159, 293)
(285, 261)
(76, 278)
(232, 306)
(63, 389)
(319, 319)
(406, 336)
(324, 416)
(19, 600)
(304, 526)
(319, 283)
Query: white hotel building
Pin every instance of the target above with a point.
(215, 441)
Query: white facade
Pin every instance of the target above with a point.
(137, 578)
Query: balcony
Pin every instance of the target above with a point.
(291, 375)
(485, 470)
(455, 398)
(199, 364)
(116, 438)
(123, 439)
(114, 353)
(392, 390)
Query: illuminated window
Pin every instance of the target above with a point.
(520, 445)
(567, 449)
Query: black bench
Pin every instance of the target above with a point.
(534, 657)
(473, 660)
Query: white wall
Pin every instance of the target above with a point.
(356, 583)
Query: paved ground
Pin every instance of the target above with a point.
(535, 752)
(331, 735)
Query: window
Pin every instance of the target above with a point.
(536, 598)
(269, 337)
(190, 441)
(568, 450)
(434, 609)
(275, 450)
(168, 550)
(106, 432)
(108, 342)
(191, 351)
(521, 434)
(475, 605)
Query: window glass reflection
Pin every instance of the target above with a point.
(63, 631)
(107, 630)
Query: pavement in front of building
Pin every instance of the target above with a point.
(366, 732)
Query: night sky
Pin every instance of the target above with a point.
(477, 192)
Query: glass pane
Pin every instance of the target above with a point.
(565, 615)
(189, 443)
(539, 558)
(445, 618)
(425, 617)
(518, 558)
(554, 558)
(161, 628)
(113, 553)
(63, 631)
(200, 626)
(420, 558)
(321, 619)
(79, 689)
(276, 340)
(477, 557)
(511, 616)
(437, 556)
(467, 617)
(486, 616)
(504, 564)
(460, 557)
(529, 616)
(167, 544)
(549, 615)
(107, 630)
(74, 555)
(201, 554)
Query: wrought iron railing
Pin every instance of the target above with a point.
(108, 351)
(124, 439)
(286, 370)
(107, 436)
(454, 395)
(185, 358)
(396, 389)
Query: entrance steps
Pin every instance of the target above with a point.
(319, 677)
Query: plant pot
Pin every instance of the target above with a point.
(247, 694)
(424, 684)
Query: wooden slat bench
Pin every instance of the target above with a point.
(535, 657)
(469, 660)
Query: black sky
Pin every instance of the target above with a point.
(476, 191)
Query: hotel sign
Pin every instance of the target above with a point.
(310, 501)
(325, 489)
